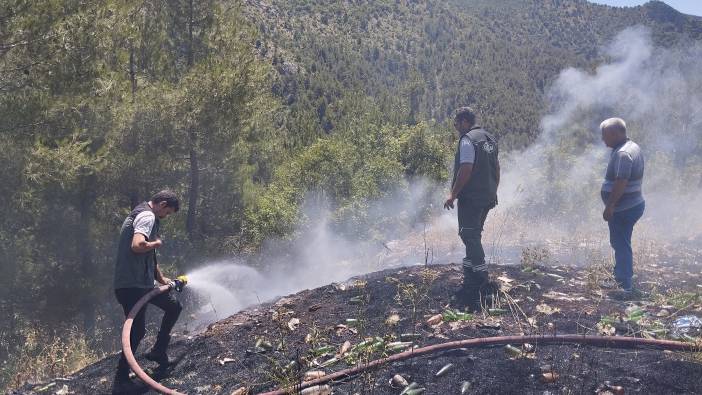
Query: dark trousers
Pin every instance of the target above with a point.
(471, 219)
(621, 227)
(128, 297)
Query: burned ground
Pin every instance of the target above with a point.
(256, 348)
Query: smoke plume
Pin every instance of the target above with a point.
(657, 91)
(324, 250)
(548, 191)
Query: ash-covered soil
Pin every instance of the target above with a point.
(255, 348)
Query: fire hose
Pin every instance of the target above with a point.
(597, 341)
(176, 284)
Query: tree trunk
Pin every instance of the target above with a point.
(132, 71)
(133, 199)
(87, 265)
(194, 170)
(11, 297)
(194, 186)
(191, 57)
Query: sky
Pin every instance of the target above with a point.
(692, 7)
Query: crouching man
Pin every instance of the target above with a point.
(135, 271)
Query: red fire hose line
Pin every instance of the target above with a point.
(127, 348)
(600, 341)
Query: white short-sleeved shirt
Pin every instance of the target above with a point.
(466, 151)
(144, 223)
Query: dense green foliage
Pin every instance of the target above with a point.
(247, 110)
(104, 103)
(422, 59)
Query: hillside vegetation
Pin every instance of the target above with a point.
(246, 109)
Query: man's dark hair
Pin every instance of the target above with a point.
(465, 113)
(166, 196)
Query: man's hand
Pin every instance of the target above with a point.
(448, 204)
(617, 192)
(141, 246)
(160, 277)
(608, 213)
(462, 179)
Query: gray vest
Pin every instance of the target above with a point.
(481, 189)
(134, 270)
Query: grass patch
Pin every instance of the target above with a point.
(43, 356)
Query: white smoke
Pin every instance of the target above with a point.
(658, 92)
(549, 190)
(323, 251)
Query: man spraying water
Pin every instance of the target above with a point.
(136, 270)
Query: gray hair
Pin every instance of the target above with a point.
(615, 123)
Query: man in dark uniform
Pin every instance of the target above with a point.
(135, 271)
(476, 175)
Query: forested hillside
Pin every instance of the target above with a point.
(245, 109)
(421, 60)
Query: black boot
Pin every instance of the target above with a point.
(485, 287)
(158, 352)
(472, 299)
(458, 299)
(122, 384)
(468, 296)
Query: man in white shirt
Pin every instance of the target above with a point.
(136, 270)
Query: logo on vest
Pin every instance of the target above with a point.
(488, 147)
